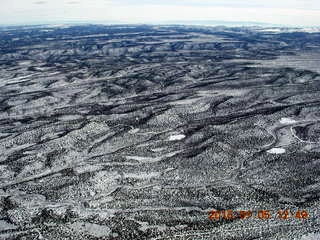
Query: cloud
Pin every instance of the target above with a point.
(40, 2)
(285, 4)
(73, 2)
(285, 12)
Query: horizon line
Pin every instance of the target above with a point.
(208, 23)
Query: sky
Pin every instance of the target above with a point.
(301, 13)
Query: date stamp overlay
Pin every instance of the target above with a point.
(286, 214)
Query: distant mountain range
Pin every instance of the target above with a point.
(173, 22)
(224, 23)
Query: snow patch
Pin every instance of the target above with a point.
(134, 130)
(176, 137)
(287, 121)
(276, 151)
(151, 159)
(157, 150)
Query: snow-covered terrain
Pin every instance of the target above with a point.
(137, 132)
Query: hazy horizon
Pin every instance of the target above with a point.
(294, 13)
